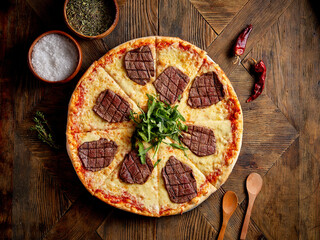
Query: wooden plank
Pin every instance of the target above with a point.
(6, 122)
(218, 13)
(309, 172)
(82, 219)
(278, 202)
(261, 14)
(124, 225)
(137, 19)
(181, 19)
(6, 156)
(38, 202)
(190, 225)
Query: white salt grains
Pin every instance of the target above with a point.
(54, 57)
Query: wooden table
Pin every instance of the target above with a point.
(41, 196)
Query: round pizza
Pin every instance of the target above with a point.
(154, 127)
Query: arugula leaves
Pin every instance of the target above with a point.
(160, 121)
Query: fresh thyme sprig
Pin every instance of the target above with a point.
(160, 121)
(44, 130)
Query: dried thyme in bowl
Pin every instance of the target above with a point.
(90, 17)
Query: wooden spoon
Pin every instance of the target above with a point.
(254, 185)
(229, 205)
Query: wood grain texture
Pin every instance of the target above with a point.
(218, 13)
(261, 14)
(81, 220)
(309, 172)
(277, 204)
(137, 19)
(190, 225)
(38, 202)
(181, 19)
(123, 225)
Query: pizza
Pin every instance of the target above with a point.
(177, 173)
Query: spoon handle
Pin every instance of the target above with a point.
(222, 230)
(247, 218)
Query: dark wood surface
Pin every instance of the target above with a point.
(41, 196)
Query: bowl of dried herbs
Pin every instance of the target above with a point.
(91, 19)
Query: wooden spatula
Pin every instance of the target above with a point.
(229, 205)
(254, 185)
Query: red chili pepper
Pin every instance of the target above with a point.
(260, 71)
(241, 43)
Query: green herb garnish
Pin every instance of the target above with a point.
(44, 130)
(156, 163)
(90, 17)
(160, 121)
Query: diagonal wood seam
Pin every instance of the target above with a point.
(241, 205)
(206, 19)
(197, 12)
(79, 198)
(210, 24)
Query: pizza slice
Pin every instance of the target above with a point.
(213, 147)
(210, 96)
(99, 103)
(132, 186)
(181, 184)
(96, 154)
(132, 65)
(177, 64)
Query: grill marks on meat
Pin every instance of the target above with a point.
(139, 65)
(205, 91)
(170, 84)
(97, 155)
(133, 171)
(200, 140)
(111, 107)
(179, 181)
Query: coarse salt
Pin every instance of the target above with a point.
(54, 57)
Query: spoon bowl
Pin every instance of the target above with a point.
(229, 205)
(254, 183)
(230, 202)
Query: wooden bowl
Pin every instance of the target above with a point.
(102, 35)
(69, 37)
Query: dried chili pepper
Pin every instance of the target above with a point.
(241, 43)
(260, 70)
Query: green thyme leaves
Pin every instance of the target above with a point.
(160, 121)
(44, 130)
